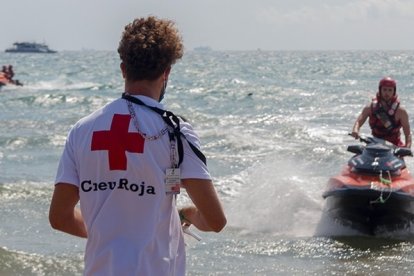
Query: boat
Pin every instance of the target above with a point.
(203, 49)
(374, 193)
(29, 47)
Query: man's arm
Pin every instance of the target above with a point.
(63, 214)
(207, 214)
(405, 123)
(360, 121)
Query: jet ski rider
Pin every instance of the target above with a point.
(386, 115)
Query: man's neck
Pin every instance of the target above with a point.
(144, 87)
(386, 103)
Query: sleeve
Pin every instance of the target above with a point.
(192, 166)
(67, 170)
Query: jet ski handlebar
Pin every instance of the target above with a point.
(401, 152)
(398, 151)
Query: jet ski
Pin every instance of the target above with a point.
(375, 191)
(6, 81)
(3, 80)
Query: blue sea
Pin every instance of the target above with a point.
(273, 125)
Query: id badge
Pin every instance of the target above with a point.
(172, 181)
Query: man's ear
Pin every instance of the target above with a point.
(167, 73)
(122, 66)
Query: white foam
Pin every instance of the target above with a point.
(279, 197)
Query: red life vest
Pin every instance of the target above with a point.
(383, 123)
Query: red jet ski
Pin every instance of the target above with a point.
(7, 80)
(3, 80)
(375, 191)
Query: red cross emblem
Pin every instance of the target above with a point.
(117, 141)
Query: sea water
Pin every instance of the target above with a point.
(273, 126)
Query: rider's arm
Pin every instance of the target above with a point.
(360, 121)
(405, 123)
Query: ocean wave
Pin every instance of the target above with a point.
(64, 85)
(23, 263)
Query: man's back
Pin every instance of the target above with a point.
(130, 219)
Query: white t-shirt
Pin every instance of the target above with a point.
(133, 226)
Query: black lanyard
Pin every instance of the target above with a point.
(174, 122)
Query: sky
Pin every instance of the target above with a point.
(219, 24)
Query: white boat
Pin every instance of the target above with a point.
(203, 49)
(29, 47)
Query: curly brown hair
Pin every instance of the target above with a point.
(148, 47)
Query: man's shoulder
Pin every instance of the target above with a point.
(107, 109)
(401, 108)
(367, 109)
(187, 129)
(401, 111)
